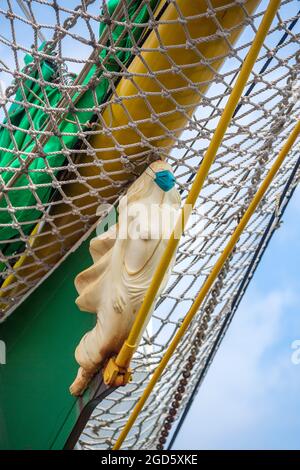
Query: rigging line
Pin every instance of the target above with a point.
(122, 360)
(254, 83)
(30, 18)
(259, 252)
(268, 62)
(80, 78)
(206, 286)
(140, 41)
(48, 126)
(265, 66)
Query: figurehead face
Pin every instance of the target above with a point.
(158, 174)
(162, 174)
(153, 196)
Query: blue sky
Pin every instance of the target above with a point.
(250, 396)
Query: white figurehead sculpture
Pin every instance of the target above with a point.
(125, 258)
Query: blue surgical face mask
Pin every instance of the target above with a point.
(164, 179)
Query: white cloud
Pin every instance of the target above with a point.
(236, 399)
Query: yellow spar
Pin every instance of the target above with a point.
(118, 366)
(209, 282)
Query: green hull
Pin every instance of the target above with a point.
(36, 408)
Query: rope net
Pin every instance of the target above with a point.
(91, 92)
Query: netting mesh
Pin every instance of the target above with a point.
(84, 110)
